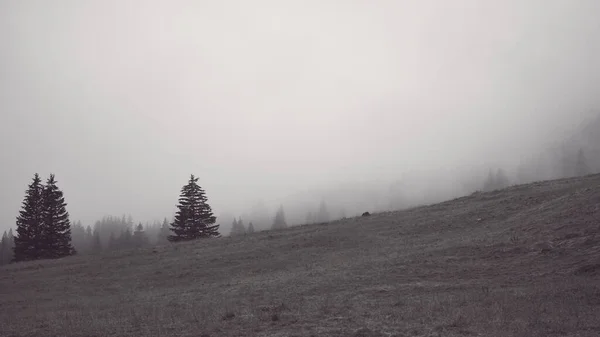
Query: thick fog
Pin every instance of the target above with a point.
(275, 102)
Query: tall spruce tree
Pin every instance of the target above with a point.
(56, 240)
(28, 241)
(194, 218)
(250, 228)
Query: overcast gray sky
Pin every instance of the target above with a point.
(122, 100)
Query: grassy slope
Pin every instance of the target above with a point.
(524, 261)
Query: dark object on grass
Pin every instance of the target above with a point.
(588, 270)
(366, 214)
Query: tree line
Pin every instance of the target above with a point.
(572, 164)
(44, 230)
(321, 215)
(238, 227)
(113, 232)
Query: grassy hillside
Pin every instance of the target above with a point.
(524, 261)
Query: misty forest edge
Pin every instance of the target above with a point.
(44, 230)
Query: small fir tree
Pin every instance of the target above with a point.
(96, 242)
(163, 233)
(125, 241)
(5, 247)
(194, 218)
(237, 227)
(242, 228)
(89, 237)
(112, 241)
(250, 228)
(233, 227)
(11, 245)
(78, 236)
(279, 221)
(28, 241)
(140, 239)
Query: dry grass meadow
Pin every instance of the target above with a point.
(524, 261)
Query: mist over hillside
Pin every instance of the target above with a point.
(300, 168)
(361, 105)
(554, 159)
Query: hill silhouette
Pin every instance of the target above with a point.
(522, 261)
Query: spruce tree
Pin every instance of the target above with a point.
(56, 240)
(89, 238)
(11, 244)
(3, 245)
(140, 239)
(4, 248)
(28, 241)
(163, 233)
(194, 218)
(78, 236)
(241, 226)
(112, 241)
(96, 242)
(250, 228)
(125, 241)
(233, 227)
(237, 228)
(279, 221)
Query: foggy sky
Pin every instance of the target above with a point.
(262, 99)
